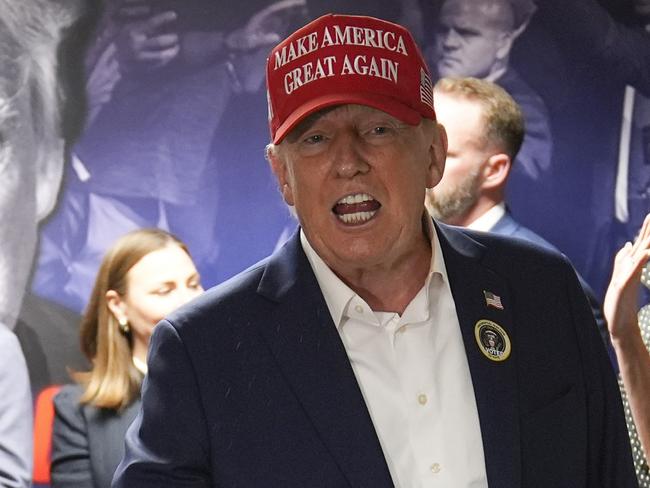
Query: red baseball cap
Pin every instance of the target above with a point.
(341, 59)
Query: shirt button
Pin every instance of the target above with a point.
(435, 468)
(422, 399)
(359, 309)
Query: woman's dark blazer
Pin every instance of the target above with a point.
(87, 442)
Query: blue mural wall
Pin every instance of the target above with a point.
(167, 127)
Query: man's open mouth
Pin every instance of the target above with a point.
(356, 209)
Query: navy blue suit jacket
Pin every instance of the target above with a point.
(508, 226)
(250, 385)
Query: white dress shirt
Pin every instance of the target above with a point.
(140, 365)
(488, 220)
(413, 373)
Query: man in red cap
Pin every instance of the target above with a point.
(356, 354)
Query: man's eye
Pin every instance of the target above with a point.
(381, 131)
(467, 33)
(315, 139)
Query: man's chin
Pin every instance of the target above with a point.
(445, 215)
(448, 69)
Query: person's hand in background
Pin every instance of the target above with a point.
(621, 309)
(147, 39)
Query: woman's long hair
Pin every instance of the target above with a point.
(114, 382)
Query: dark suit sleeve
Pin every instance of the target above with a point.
(70, 466)
(610, 458)
(167, 444)
(601, 323)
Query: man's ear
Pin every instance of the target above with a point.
(496, 171)
(49, 173)
(505, 46)
(281, 172)
(523, 24)
(437, 155)
(116, 305)
(505, 43)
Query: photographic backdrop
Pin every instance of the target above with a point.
(167, 122)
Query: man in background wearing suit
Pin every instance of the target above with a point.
(485, 128)
(475, 38)
(356, 354)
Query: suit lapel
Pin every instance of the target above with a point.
(495, 383)
(312, 358)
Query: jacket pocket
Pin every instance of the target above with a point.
(554, 443)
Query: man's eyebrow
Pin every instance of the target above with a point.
(307, 124)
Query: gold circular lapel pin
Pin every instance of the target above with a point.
(492, 340)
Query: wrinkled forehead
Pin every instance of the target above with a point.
(305, 124)
(495, 14)
(352, 110)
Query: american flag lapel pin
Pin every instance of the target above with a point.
(492, 300)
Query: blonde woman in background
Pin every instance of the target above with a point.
(145, 276)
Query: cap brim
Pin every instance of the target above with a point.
(384, 103)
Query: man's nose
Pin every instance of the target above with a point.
(449, 39)
(349, 159)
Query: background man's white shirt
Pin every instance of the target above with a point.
(489, 219)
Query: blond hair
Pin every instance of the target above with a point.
(113, 381)
(504, 120)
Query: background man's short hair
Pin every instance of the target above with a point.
(504, 120)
